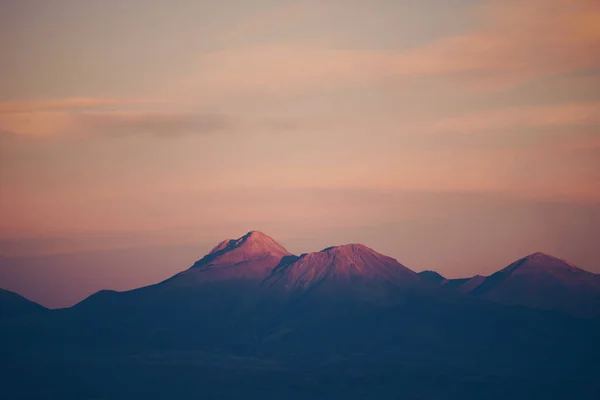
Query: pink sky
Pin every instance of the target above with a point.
(455, 136)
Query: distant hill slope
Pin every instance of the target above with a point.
(461, 285)
(13, 305)
(464, 285)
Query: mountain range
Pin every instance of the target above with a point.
(251, 305)
(538, 280)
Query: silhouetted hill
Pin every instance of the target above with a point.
(13, 305)
(464, 285)
(432, 277)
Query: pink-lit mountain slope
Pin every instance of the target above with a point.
(251, 257)
(341, 265)
(542, 281)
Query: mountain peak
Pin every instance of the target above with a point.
(252, 256)
(539, 255)
(541, 261)
(259, 237)
(349, 250)
(252, 246)
(252, 237)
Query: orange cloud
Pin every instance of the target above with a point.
(518, 40)
(514, 41)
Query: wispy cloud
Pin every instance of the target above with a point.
(66, 104)
(165, 124)
(517, 40)
(514, 41)
(90, 116)
(119, 123)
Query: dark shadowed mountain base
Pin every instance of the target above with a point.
(173, 378)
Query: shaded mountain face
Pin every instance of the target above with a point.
(464, 285)
(250, 257)
(432, 277)
(542, 281)
(460, 285)
(13, 305)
